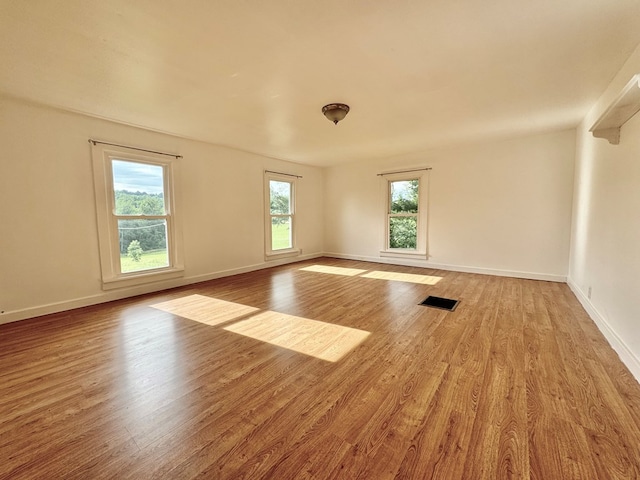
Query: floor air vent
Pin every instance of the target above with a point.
(439, 302)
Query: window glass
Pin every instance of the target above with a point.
(280, 233)
(402, 218)
(143, 244)
(138, 190)
(281, 219)
(403, 232)
(280, 194)
(404, 196)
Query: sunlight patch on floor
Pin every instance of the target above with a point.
(322, 340)
(350, 272)
(203, 309)
(379, 275)
(403, 277)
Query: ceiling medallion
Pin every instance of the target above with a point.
(335, 111)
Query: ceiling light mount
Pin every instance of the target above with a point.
(335, 111)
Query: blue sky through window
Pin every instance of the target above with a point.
(137, 177)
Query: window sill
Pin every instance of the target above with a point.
(404, 254)
(290, 252)
(135, 279)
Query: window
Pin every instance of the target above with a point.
(141, 215)
(137, 227)
(405, 215)
(280, 215)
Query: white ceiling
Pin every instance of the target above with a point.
(254, 74)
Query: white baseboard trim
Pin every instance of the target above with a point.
(111, 295)
(624, 352)
(453, 268)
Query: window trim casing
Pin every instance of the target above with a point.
(107, 220)
(271, 254)
(421, 251)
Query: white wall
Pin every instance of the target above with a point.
(501, 207)
(48, 241)
(605, 246)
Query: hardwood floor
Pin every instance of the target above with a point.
(320, 370)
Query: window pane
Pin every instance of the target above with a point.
(138, 188)
(280, 233)
(280, 194)
(143, 244)
(404, 196)
(403, 232)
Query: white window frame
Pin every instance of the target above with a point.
(271, 254)
(108, 234)
(420, 251)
